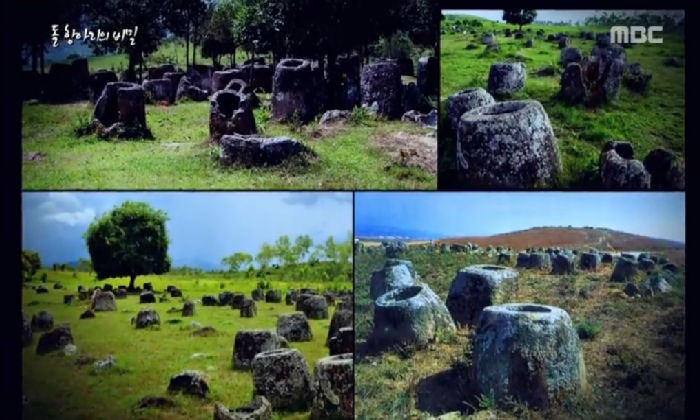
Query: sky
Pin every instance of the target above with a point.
(203, 226)
(551, 15)
(439, 215)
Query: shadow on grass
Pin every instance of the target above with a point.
(444, 392)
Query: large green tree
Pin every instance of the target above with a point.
(265, 256)
(237, 261)
(130, 240)
(519, 17)
(31, 263)
(182, 17)
(219, 32)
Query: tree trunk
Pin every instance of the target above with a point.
(187, 49)
(194, 47)
(35, 60)
(41, 59)
(131, 282)
(141, 69)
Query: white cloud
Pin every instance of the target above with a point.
(75, 218)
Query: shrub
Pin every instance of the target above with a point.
(587, 330)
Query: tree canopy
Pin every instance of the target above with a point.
(519, 17)
(130, 240)
(31, 263)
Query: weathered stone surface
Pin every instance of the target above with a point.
(504, 258)
(159, 71)
(147, 317)
(315, 307)
(190, 382)
(646, 264)
(186, 89)
(539, 260)
(188, 308)
(635, 79)
(528, 352)
(230, 113)
(273, 296)
(506, 78)
(54, 340)
(571, 84)
(42, 321)
(380, 82)
(334, 116)
(237, 300)
(258, 294)
(428, 120)
(570, 55)
(159, 90)
(464, 101)
(409, 316)
(625, 270)
(147, 297)
(131, 105)
(507, 145)
(341, 318)
(174, 77)
(606, 258)
(248, 343)
(488, 38)
(42, 289)
(260, 151)
(258, 409)
(395, 274)
(476, 287)
(666, 170)
(654, 285)
(175, 292)
(294, 327)
(87, 314)
(619, 170)
(427, 76)
(414, 99)
(103, 301)
(602, 77)
(564, 42)
(290, 297)
(563, 264)
(590, 261)
(225, 298)
(283, 377)
(295, 93)
(249, 309)
(334, 385)
(209, 300)
(342, 342)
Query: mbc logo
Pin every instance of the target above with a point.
(635, 34)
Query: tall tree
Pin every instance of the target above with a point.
(31, 263)
(219, 32)
(237, 261)
(302, 246)
(130, 240)
(265, 256)
(284, 251)
(519, 17)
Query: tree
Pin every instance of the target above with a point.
(302, 245)
(519, 17)
(84, 265)
(237, 261)
(219, 33)
(284, 252)
(265, 256)
(130, 240)
(31, 263)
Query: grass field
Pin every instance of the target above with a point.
(635, 364)
(146, 358)
(181, 157)
(651, 120)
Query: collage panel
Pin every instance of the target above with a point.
(562, 100)
(187, 305)
(520, 305)
(230, 95)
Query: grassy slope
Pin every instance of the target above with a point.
(56, 389)
(645, 379)
(346, 158)
(656, 119)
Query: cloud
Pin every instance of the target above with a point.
(308, 199)
(76, 218)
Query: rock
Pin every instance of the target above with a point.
(673, 62)
(606, 258)
(54, 340)
(289, 298)
(335, 392)
(330, 298)
(612, 52)
(70, 350)
(341, 318)
(503, 258)
(427, 77)
(409, 316)
(225, 298)
(427, 120)
(518, 35)
(259, 76)
(68, 299)
(507, 145)
(104, 364)
(189, 382)
(527, 352)
(209, 300)
(476, 287)
(230, 113)
(334, 116)
(294, 91)
(624, 271)
(395, 274)
(147, 317)
(589, 261)
(673, 268)
(666, 170)
(87, 314)
(635, 79)
(570, 55)
(248, 343)
(563, 264)
(258, 294)
(493, 47)
(27, 333)
(488, 38)
(260, 151)
(203, 331)
(392, 249)
(220, 79)
(174, 77)
(188, 308)
(259, 409)
(156, 402)
(175, 292)
(294, 327)
(249, 309)
(187, 90)
(147, 297)
(273, 296)
(57, 286)
(654, 285)
(41, 289)
(464, 101)
(159, 71)
(539, 260)
(380, 82)
(43, 321)
(342, 342)
(283, 377)
(98, 81)
(646, 264)
(158, 90)
(631, 290)
(530, 43)
(414, 99)
(602, 77)
(315, 307)
(237, 300)
(564, 42)
(571, 84)
(545, 71)
(506, 78)
(619, 170)
(103, 301)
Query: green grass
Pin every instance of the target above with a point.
(641, 376)
(655, 119)
(347, 158)
(57, 389)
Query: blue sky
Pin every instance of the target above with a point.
(554, 15)
(659, 215)
(203, 226)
